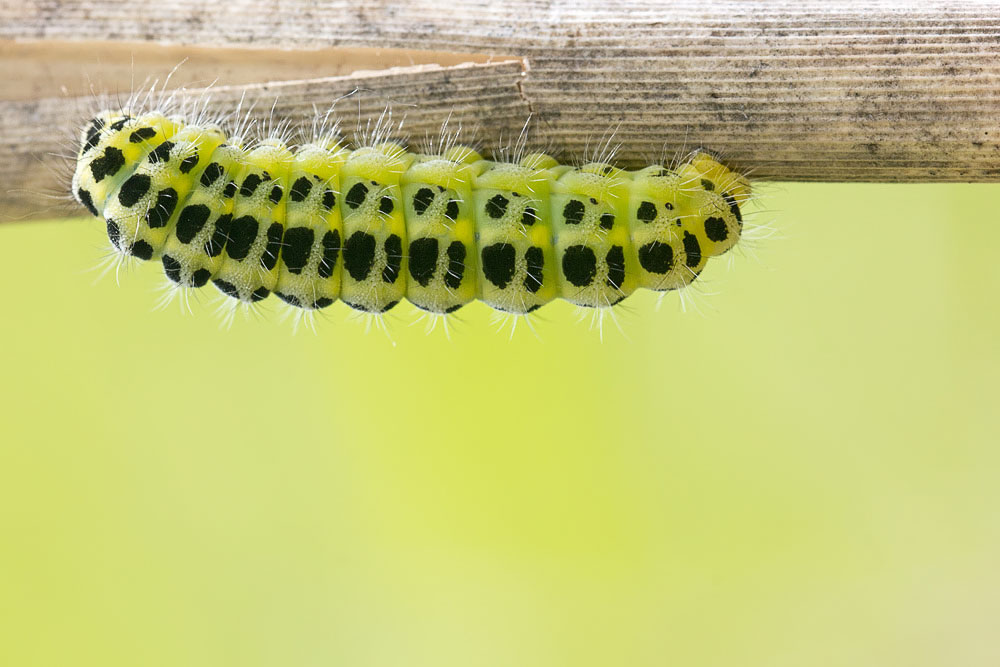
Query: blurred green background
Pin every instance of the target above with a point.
(805, 474)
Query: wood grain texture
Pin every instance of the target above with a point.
(484, 99)
(793, 90)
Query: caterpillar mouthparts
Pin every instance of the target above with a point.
(375, 224)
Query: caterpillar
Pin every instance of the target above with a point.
(376, 223)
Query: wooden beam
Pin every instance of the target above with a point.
(881, 90)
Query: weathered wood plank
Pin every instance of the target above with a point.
(793, 89)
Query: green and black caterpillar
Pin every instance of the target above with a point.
(375, 224)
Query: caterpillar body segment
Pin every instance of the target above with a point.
(374, 227)
(249, 267)
(516, 265)
(371, 226)
(192, 254)
(310, 262)
(592, 237)
(441, 229)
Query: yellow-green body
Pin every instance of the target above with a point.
(378, 224)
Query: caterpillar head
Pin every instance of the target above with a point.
(108, 142)
(92, 135)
